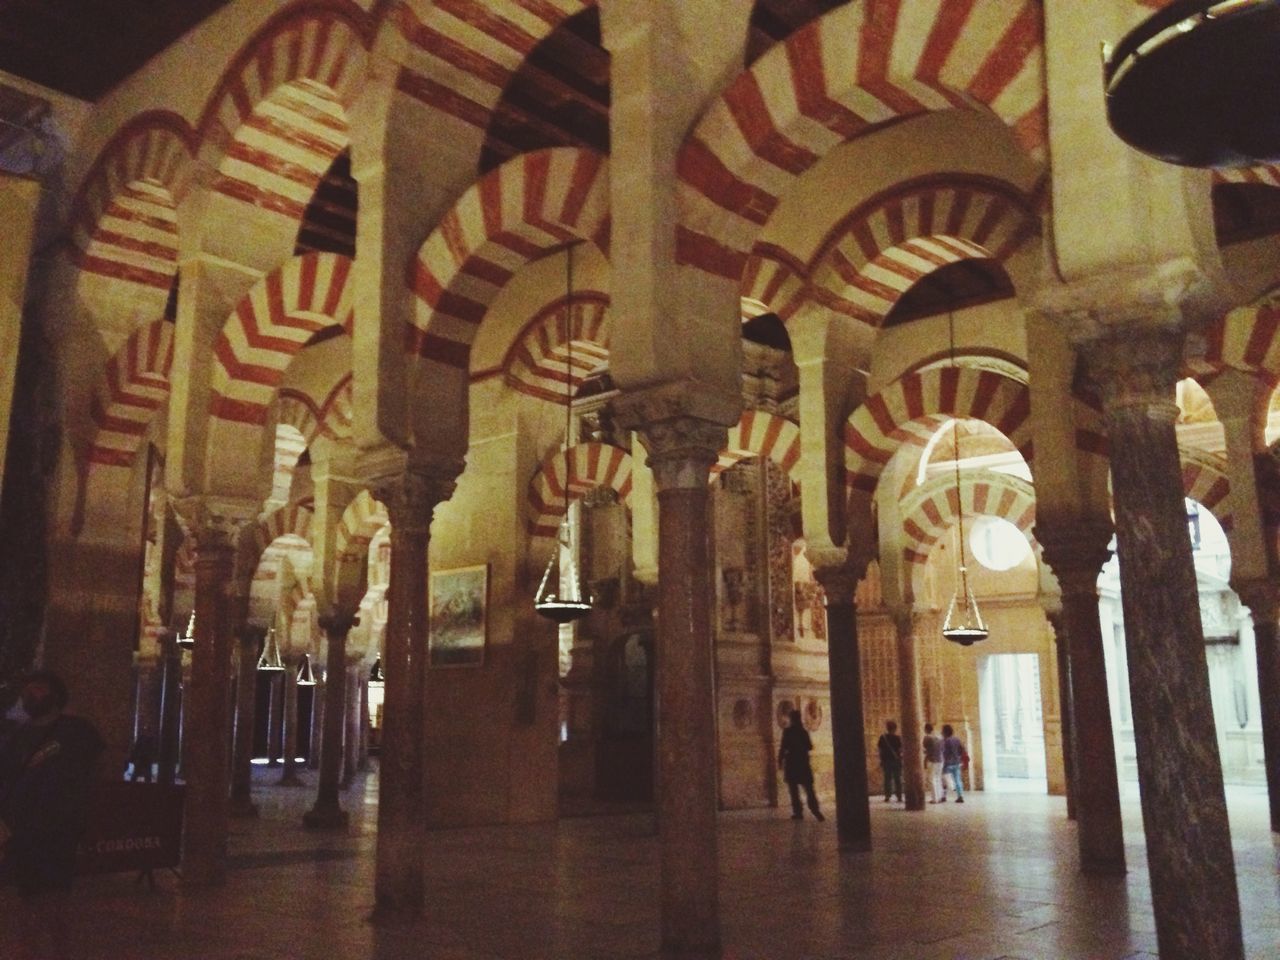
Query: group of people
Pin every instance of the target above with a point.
(944, 757)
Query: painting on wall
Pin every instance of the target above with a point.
(459, 602)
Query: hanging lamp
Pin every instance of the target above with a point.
(964, 624)
(271, 661)
(188, 640)
(306, 676)
(560, 598)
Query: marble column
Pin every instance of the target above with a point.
(410, 498)
(1066, 709)
(681, 453)
(148, 686)
(275, 717)
(242, 804)
(909, 708)
(362, 764)
(1262, 597)
(170, 708)
(848, 728)
(351, 735)
(206, 757)
(1077, 550)
(289, 777)
(327, 813)
(1184, 812)
(317, 723)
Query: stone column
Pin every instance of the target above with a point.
(246, 701)
(1193, 880)
(909, 708)
(1077, 550)
(149, 680)
(682, 451)
(410, 498)
(327, 814)
(351, 735)
(1262, 597)
(275, 718)
(206, 757)
(290, 778)
(362, 764)
(317, 723)
(848, 728)
(1066, 709)
(170, 708)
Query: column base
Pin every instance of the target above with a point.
(242, 809)
(290, 779)
(325, 818)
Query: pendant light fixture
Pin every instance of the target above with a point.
(271, 661)
(964, 624)
(306, 676)
(188, 640)
(560, 598)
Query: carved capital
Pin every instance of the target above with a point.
(682, 451)
(1137, 368)
(250, 635)
(338, 623)
(840, 584)
(1076, 550)
(214, 522)
(412, 496)
(1262, 597)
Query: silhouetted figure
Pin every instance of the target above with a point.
(890, 748)
(932, 744)
(793, 758)
(47, 769)
(954, 756)
(141, 757)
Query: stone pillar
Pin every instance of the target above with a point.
(1077, 550)
(327, 814)
(909, 708)
(317, 723)
(275, 718)
(246, 701)
(1066, 709)
(681, 453)
(290, 778)
(1193, 880)
(206, 757)
(362, 764)
(170, 708)
(848, 728)
(410, 498)
(351, 733)
(1262, 597)
(147, 716)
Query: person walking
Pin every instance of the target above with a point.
(793, 760)
(889, 747)
(933, 764)
(47, 770)
(954, 756)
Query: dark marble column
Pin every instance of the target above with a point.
(1066, 711)
(327, 814)
(289, 777)
(410, 499)
(317, 724)
(681, 452)
(1262, 597)
(275, 718)
(351, 735)
(362, 765)
(848, 729)
(909, 708)
(170, 708)
(147, 716)
(242, 804)
(1076, 551)
(206, 754)
(1193, 879)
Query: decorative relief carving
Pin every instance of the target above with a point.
(412, 496)
(1137, 368)
(1076, 551)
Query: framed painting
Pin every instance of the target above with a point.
(458, 607)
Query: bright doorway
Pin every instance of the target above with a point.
(1012, 722)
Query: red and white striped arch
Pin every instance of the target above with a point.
(123, 221)
(859, 66)
(517, 213)
(576, 470)
(911, 409)
(330, 417)
(293, 519)
(463, 53)
(1246, 339)
(776, 280)
(297, 410)
(359, 523)
(878, 252)
(538, 362)
(1204, 480)
(134, 386)
(277, 118)
(270, 325)
(761, 434)
(936, 506)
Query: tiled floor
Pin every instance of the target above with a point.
(995, 878)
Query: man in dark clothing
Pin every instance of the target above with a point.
(47, 769)
(890, 748)
(793, 758)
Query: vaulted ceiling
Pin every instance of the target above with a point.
(86, 47)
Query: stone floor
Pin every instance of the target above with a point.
(994, 878)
